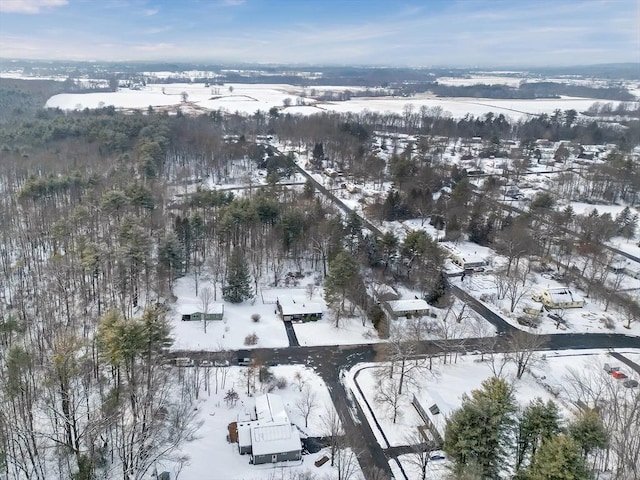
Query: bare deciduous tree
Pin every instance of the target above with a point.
(619, 410)
(524, 350)
(306, 403)
(389, 395)
(420, 452)
(206, 299)
(332, 427)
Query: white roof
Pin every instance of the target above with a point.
(297, 308)
(428, 398)
(270, 439)
(244, 434)
(563, 295)
(216, 308)
(467, 251)
(269, 408)
(213, 308)
(408, 305)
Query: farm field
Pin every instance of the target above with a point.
(248, 98)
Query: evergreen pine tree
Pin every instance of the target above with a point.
(626, 223)
(538, 422)
(343, 271)
(588, 431)
(558, 458)
(170, 256)
(238, 286)
(477, 434)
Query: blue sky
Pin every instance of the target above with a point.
(335, 32)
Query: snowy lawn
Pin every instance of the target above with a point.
(588, 319)
(211, 457)
(324, 332)
(436, 469)
(445, 385)
(228, 334)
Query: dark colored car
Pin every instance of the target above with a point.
(311, 445)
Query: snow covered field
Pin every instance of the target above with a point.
(481, 79)
(248, 98)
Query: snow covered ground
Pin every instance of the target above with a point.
(445, 385)
(230, 333)
(212, 457)
(248, 98)
(592, 318)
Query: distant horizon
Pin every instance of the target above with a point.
(221, 64)
(480, 34)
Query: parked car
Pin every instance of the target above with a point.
(618, 374)
(244, 357)
(437, 455)
(184, 362)
(206, 363)
(630, 383)
(609, 369)
(311, 445)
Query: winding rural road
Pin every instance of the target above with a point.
(330, 362)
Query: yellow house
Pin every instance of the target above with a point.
(561, 298)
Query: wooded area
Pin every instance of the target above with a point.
(101, 212)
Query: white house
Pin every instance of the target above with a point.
(465, 259)
(560, 298)
(270, 437)
(407, 308)
(299, 311)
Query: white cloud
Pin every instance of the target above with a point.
(29, 6)
(231, 3)
(154, 47)
(150, 12)
(157, 30)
